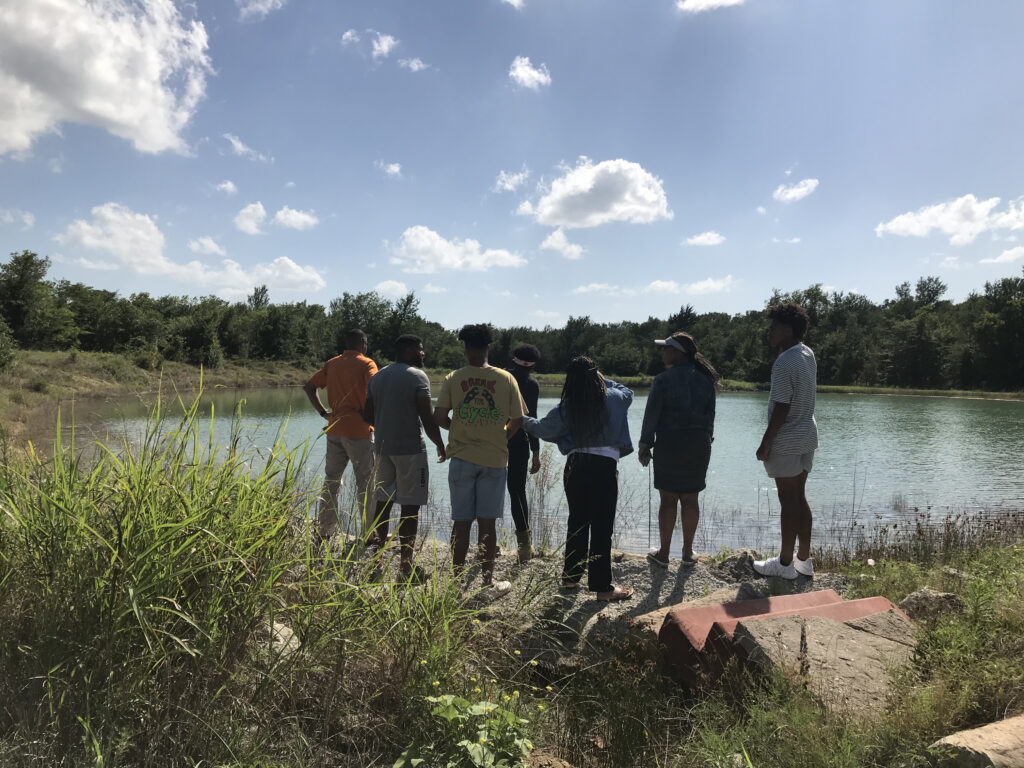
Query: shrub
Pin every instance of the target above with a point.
(7, 346)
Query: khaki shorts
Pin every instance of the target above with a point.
(404, 478)
(789, 465)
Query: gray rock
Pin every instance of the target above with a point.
(846, 667)
(279, 639)
(738, 566)
(849, 669)
(997, 745)
(541, 759)
(890, 625)
(927, 604)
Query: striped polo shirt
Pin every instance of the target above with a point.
(794, 382)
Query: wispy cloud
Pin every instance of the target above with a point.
(793, 192)
(227, 187)
(596, 288)
(699, 288)
(1007, 257)
(510, 181)
(700, 6)
(393, 288)
(257, 10)
(17, 216)
(206, 246)
(239, 147)
(786, 240)
(393, 170)
(413, 65)
(706, 238)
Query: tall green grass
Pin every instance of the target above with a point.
(140, 590)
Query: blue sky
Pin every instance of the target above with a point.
(514, 161)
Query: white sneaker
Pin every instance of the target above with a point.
(804, 567)
(772, 567)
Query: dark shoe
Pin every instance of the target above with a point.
(654, 559)
(415, 578)
(525, 550)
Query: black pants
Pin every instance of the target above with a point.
(592, 490)
(518, 463)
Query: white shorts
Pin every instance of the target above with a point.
(403, 478)
(789, 465)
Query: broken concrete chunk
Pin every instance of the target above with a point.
(997, 745)
(927, 604)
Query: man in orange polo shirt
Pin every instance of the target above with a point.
(349, 438)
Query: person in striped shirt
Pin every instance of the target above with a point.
(787, 448)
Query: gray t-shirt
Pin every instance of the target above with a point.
(396, 420)
(794, 382)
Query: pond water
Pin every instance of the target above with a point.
(882, 459)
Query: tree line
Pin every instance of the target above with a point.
(915, 339)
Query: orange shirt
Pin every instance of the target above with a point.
(345, 377)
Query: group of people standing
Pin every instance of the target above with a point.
(377, 419)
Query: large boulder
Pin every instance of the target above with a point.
(845, 665)
(927, 604)
(997, 745)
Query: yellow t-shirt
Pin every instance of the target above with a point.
(482, 400)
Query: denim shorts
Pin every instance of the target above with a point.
(478, 493)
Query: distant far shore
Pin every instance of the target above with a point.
(37, 380)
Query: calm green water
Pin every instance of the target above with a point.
(880, 458)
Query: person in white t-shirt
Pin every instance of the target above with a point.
(787, 448)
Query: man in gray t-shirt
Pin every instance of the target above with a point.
(397, 402)
(788, 445)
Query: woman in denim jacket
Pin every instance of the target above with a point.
(589, 426)
(679, 423)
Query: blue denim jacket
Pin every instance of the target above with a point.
(681, 399)
(614, 431)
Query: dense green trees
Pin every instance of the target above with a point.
(916, 339)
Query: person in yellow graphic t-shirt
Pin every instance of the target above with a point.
(481, 408)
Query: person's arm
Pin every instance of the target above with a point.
(430, 425)
(649, 428)
(512, 426)
(779, 413)
(550, 428)
(627, 393)
(368, 409)
(314, 398)
(531, 395)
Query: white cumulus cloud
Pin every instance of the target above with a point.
(962, 219)
(590, 195)
(390, 169)
(383, 45)
(250, 219)
(351, 37)
(227, 187)
(596, 288)
(10, 216)
(136, 70)
(699, 6)
(136, 242)
(706, 238)
(422, 250)
(255, 10)
(793, 192)
(525, 75)
(1007, 257)
(207, 246)
(510, 181)
(413, 65)
(517, 4)
(391, 288)
(292, 219)
(557, 241)
(238, 147)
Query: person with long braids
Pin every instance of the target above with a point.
(589, 426)
(679, 424)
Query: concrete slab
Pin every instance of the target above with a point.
(997, 745)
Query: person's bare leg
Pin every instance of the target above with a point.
(666, 521)
(489, 537)
(789, 500)
(691, 516)
(803, 531)
(460, 542)
(407, 535)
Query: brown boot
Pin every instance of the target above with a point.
(525, 551)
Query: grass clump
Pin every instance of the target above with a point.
(149, 596)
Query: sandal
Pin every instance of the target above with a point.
(652, 557)
(617, 593)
